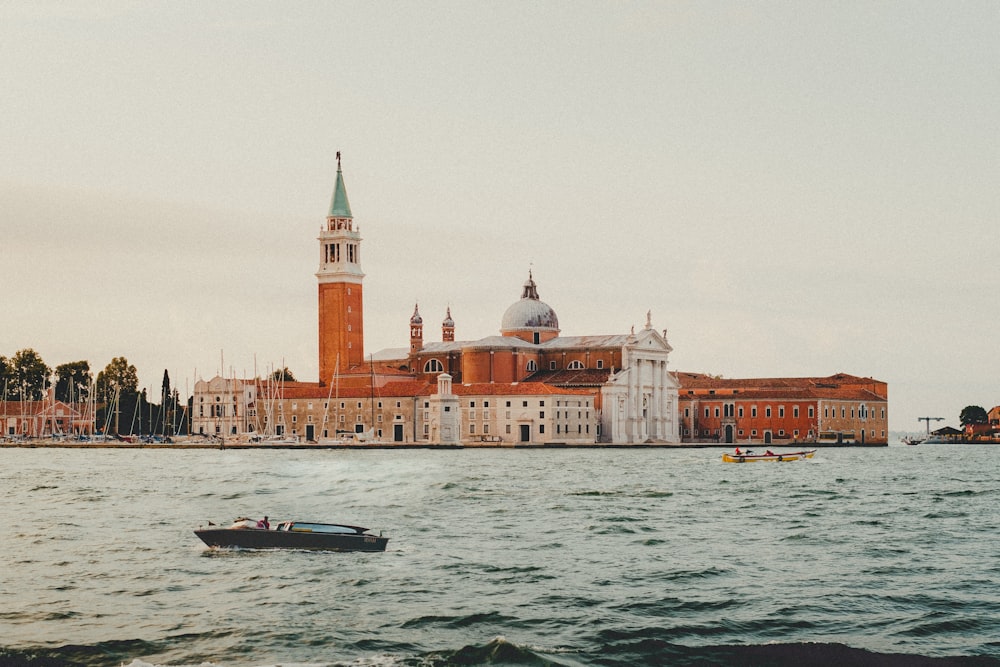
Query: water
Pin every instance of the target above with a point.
(562, 557)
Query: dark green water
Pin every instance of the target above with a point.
(564, 557)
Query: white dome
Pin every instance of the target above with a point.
(530, 312)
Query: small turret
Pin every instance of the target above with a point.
(448, 328)
(416, 330)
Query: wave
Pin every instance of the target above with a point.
(649, 651)
(618, 649)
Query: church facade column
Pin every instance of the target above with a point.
(657, 428)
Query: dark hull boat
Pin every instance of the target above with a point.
(247, 534)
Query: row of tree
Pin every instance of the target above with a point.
(119, 405)
(115, 394)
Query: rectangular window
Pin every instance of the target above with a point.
(795, 412)
(541, 428)
(767, 411)
(552, 365)
(753, 414)
(486, 428)
(472, 404)
(741, 416)
(812, 412)
(781, 411)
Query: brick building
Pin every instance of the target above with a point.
(839, 409)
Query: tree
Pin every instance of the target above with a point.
(72, 380)
(284, 375)
(28, 376)
(118, 378)
(973, 414)
(4, 378)
(166, 413)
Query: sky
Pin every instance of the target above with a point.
(790, 188)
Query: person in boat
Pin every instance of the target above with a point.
(264, 523)
(738, 452)
(769, 453)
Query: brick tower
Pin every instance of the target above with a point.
(341, 314)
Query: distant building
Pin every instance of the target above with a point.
(839, 409)
(225, 407)
(526, 385)
(45, 419)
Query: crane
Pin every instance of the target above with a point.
(929, 420)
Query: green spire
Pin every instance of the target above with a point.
(340, 207)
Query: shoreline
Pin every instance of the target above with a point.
(409, 445)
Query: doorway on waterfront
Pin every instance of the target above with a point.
(310, 431)
(729, 434)
(397, 433)
(767, 437)
(525, 432)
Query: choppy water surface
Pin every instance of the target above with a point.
(564, 557)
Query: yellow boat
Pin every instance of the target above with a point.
(749, 456)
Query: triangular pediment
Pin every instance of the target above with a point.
(650, 339)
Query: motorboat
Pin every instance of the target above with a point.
(247, 533)
(748, 456)
(910, 440)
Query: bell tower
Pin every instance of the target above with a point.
(341, 314)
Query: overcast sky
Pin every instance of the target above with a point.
(792, 188)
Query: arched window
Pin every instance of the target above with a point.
(532, 366)
(433, 366)
(575, 365)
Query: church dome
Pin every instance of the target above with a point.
(530, 312)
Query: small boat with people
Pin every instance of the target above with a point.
(749, 456)
(247, 533)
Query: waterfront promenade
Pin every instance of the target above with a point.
(242, 444)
